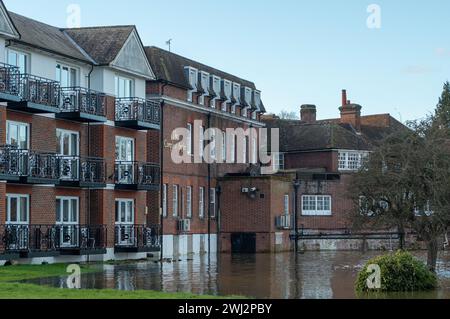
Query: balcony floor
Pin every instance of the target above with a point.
(9, 256)
(31, 107)
(39, 254)
(125, 249)
(138, 125)
(82, 117)
(136, 187)
(6, 97)
(82, 252)
(9, 178)
(79, 184)
(38, 181)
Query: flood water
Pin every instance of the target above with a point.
(312, 275)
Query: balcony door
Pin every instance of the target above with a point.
(67, 221)
(125, 160)
(125, 232)
(123, 87)
(17, 137)
(68, 150)
(17, 221)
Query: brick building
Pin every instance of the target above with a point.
(79, 175)
(323, 154)
(191, 196)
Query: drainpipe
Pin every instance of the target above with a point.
(161, 163)
(296, 188)
(88, 217)
(209, 197)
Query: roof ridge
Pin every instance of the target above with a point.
(101, 27)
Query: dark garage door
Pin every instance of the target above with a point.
(243, 243)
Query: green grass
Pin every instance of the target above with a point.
(10, 288)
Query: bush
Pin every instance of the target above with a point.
(400, 272)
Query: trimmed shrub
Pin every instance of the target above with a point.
(400, 272)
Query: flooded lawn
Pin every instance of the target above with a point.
(317, 275)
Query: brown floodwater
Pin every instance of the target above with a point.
(312, 275)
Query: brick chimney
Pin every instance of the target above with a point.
(308, 113)
(350, 112)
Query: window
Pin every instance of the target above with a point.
(123, 87)
(18, 59)
(224, 147)
(201, 203)
(351, 161)
(124, 149)
(192, 75)
(189, 202)
(232, 148)
(124, 212)
(17, 209)
(316, 205)
(164, 200)
(366, 206)
(244, 150)
(286, 204)
(17, 134)
(175, 201)
(67, 210)
(66, 75)
(254, 151)
(278, 161)
(237, 93)
(201, 142)
(213, 144)
(67, 143)
(189, 139)
(212, 202)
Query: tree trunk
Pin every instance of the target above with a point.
(433, 248)
(401, 232)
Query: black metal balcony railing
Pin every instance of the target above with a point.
(137, 109)
(39, 90)
(11, 161)
(135, 173)
(42, 165)
(82, 169)
(78, 99)
(42, 238)
(15, 237)
(9, 79)
(81, 237)
(137, 236)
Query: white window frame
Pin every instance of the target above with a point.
(71, 134)
(189, 202)
(164, 200)
(133, 212)
(119, 139)
(175, 196)
(201, 142)
(19, 125)
(224, 146)
(345, 163)
(117, 79)
(18, 197)
(278, 161)
(201, 203)
(315, 199)
(70, 80)
(19, 53)
(189, 139)
(212, 202)
(286, 204)
(70, 199)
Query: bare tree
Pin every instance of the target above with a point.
(286, 115)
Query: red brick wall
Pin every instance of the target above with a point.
(325, 159)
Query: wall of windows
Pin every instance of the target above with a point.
(316, 205)
(351, 160)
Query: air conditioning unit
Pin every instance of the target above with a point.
(184, 225)
(283, 222)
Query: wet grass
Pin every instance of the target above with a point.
(12, 288)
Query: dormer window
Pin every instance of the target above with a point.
(215, 86)
(257, 100)
(192, 76)
(236, 97)
(248, 96)
(204, 86)
(226, 93)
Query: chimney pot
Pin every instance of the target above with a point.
(344, 97)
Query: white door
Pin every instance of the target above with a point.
(67, 216)
(125, 222)
(17, 221)
(125, 160)
(68, 150)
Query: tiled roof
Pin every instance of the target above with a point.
(298, 136)
(169, 67)
(45, 37)
(103, 44)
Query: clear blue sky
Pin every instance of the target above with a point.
(297, 52)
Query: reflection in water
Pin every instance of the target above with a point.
(313, 275)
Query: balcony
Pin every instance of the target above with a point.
(77, 240)
(137, 176)
(11, 163)
(139, 114)
(137, 239)
(75, 171)
(37, 94)
(82, 105)
(9, 83)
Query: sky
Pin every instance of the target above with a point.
(391, 60)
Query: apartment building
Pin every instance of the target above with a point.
(78, 173)
(198, 97)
